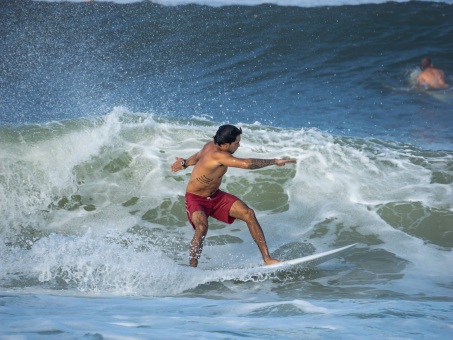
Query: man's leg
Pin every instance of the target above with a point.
(241, 211)
(200, 221)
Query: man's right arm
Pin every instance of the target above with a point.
(192, 160)
(178, 164)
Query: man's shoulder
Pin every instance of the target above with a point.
(440, 72)
(211, 153)
(424, 75)
(218, 155)
(208, 149)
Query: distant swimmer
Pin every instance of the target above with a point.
(430, 77)
(204, 198)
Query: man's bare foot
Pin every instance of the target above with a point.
(193, 262)
(271, 261)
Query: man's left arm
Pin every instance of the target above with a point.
(257, 163)
(253, 163)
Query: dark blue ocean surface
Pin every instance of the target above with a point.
(343, 69)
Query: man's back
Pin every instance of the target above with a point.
(431, 77)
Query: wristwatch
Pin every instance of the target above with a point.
(183, 164)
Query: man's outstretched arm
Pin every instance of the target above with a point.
(254, 163)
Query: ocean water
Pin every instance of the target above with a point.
(98, 98)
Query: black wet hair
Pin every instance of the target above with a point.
(425, 63)
(226, 134)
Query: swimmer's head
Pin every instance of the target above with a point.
(425, 63)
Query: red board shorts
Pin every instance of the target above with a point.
(217, 206)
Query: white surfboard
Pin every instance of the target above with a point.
(309, 260)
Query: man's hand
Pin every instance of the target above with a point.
(177, 165)
(282, 162)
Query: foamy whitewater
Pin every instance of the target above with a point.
(98, 98)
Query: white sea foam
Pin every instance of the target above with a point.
(113, 221)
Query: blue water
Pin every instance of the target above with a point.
(98, 98)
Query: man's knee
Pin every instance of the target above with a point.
(200, 221)
(248, 215)
(201, 229)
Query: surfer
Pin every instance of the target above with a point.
(204, 198)
(430, 77)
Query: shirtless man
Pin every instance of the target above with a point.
(204, 198)
(431, 77)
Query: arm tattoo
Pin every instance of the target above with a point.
(261, 163)
(204, 180)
